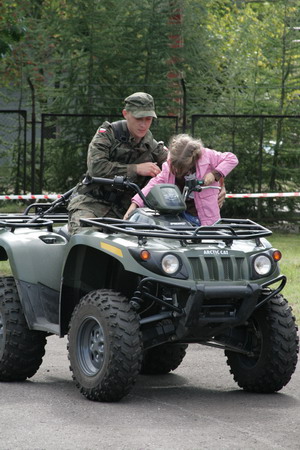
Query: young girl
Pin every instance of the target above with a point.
(189, 159)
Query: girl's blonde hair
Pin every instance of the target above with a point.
(184, 152)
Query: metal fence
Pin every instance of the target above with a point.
(65, 139)
(268, 144)
(268, 148)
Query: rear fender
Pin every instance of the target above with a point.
(36, 259)
(35, 256)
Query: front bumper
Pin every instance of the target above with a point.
(207, 311)
(211, 309)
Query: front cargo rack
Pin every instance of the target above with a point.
(224, 229)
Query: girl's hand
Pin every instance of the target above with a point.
(131, 208)
(208, 179)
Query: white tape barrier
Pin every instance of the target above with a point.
(265, 195)
(56, 196)
(30, 197)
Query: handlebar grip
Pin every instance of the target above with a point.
(99, 180)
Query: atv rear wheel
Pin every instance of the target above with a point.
(105, 346)
(21, 349)
(163, 358)
(271, 334)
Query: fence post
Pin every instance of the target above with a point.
(42, 153)
(25, 152)
(260, 165)
(33, 123)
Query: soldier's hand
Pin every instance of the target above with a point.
(147, 169)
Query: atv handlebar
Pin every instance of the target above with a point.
(118, 182)
(195, 186)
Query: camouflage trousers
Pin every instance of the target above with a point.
(87, 207)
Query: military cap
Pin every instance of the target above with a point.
(140, 104)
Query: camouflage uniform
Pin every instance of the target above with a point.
(108, 157)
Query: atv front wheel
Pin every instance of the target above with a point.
(21, 349)
(271, 334)
(163, 358)
(105, 346)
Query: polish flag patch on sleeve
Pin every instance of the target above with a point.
(102, 130)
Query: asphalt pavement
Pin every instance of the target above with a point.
(197, 407)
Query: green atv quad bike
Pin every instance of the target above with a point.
(131, 295)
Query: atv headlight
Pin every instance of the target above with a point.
(262, 265)
(170, 264)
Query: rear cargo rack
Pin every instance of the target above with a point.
(14, 221)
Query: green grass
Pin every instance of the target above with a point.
(288, 244)
(4, 268)
(7, 207)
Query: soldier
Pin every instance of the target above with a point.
(126, 148)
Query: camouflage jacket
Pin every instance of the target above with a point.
(114, 153)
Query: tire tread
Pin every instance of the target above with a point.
(126, 346)
(278, 362)
(22, 349)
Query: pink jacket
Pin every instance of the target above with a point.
(206, 201)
